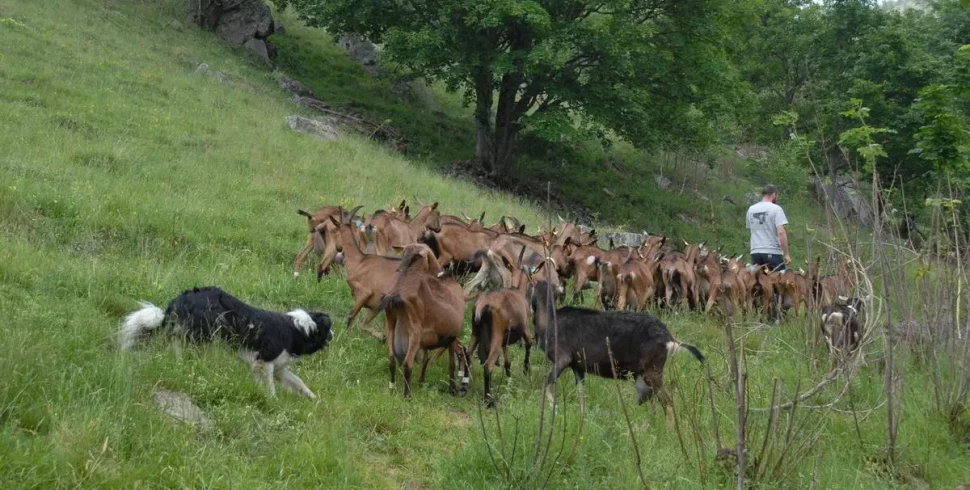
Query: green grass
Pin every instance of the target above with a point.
(126, 176)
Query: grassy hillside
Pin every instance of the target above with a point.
(124, 175)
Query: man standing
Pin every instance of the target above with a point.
(769, 240)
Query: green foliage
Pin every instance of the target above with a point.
(652, 72)
(861, 138)
(944, 137)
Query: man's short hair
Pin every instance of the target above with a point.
(769, 190)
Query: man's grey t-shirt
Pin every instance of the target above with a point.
(763, 220)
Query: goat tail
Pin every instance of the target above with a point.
(676, 345)
(304, 213)
(389, 302)
(144, 319)
(482, 331)
(626, 278)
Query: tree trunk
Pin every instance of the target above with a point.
(495, 146)
(483, 121)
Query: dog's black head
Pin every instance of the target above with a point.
(323, 333)
(310, 337)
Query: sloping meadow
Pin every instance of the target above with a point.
(126, 175)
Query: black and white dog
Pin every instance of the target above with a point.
(264, 338)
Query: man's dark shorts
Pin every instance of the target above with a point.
(775, 262)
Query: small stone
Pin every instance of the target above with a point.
(257, 46)
(316, 127)
(662, 182)
(180, 407)
(294, 87)
(202, 68)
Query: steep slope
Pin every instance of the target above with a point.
(126, 175)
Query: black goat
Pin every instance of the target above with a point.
(587, 340)
(841, 326)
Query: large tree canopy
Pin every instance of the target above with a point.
(652, 71)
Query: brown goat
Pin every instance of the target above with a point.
(369, 276)
(636, 282)
(709, 279)
(736, 284)
(500, 319)
(392, 233)
(456, 243)
(423, 311)
(677, 271)
(607, 289)
(314, 241)
(582, 265)
(782, 283)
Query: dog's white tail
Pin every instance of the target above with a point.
(144, 319)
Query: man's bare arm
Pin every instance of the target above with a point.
(783, 239)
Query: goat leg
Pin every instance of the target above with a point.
(424, 365)
(358, 304)
(371, 314)
(527, 339)
(452, 387)
(301, 256)
(557, 369)
(508, 362)
(414, 343)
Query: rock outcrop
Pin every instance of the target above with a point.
(242, 22)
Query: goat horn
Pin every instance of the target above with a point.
(521, 254)
(420, 202)
(353, 212)
(463, 215)
(560, 218)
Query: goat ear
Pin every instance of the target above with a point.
(434, 206)
(612, 245)
(404, 202)
(522, 229)
(407, 211)
(481, 219)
